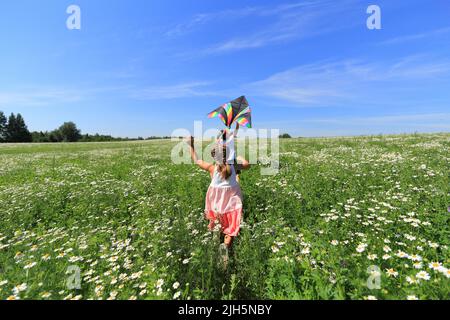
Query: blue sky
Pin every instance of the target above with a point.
(310, 68)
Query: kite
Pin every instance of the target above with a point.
(237, 110)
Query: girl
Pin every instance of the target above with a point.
(227, 138)
(223, 202)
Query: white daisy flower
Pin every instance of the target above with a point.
(415, 257)
(144, 292)
(361, 247)
(46, 257)
(446, 272)
(423, 275)
(177, 295)
(411, 280)
(435, 265)
(30, 265)
(19, 288)
(391, 273)
(159, 283)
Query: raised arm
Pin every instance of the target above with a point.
(236, 130)
(202, 164)
(242, 163)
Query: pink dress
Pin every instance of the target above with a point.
(223, 203)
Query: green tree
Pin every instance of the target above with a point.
(285, 136)
(55, 136)
(24, 133)
(17, 130)
(3, 127)
(40, 136)
(11, 128)
(69, 132)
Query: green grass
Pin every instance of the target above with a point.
(133, 222)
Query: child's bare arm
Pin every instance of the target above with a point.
(236, 131)
(205, 165)
(202, 164)
(242, 163)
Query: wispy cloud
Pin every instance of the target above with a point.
(57, 96)
(438, 119)
(235, 14)
(294, 22)
(350, 81)
(416, 36)
(277, 23)
(183, 90)
(37, 97)
(52, 95)
(357, 125)
(202, 19)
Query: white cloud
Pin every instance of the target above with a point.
(358, 125)
(417, 36)
(294, 22)
(423, 118)
(183, 90)
(350, 81)
(51, 95)
(203, 18)
(276, 24)
(37, 97)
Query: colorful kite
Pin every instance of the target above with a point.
(234, 111)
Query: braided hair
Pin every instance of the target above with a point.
(220, 156)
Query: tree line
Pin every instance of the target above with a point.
(14, 129)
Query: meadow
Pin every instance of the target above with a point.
(341, 212)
